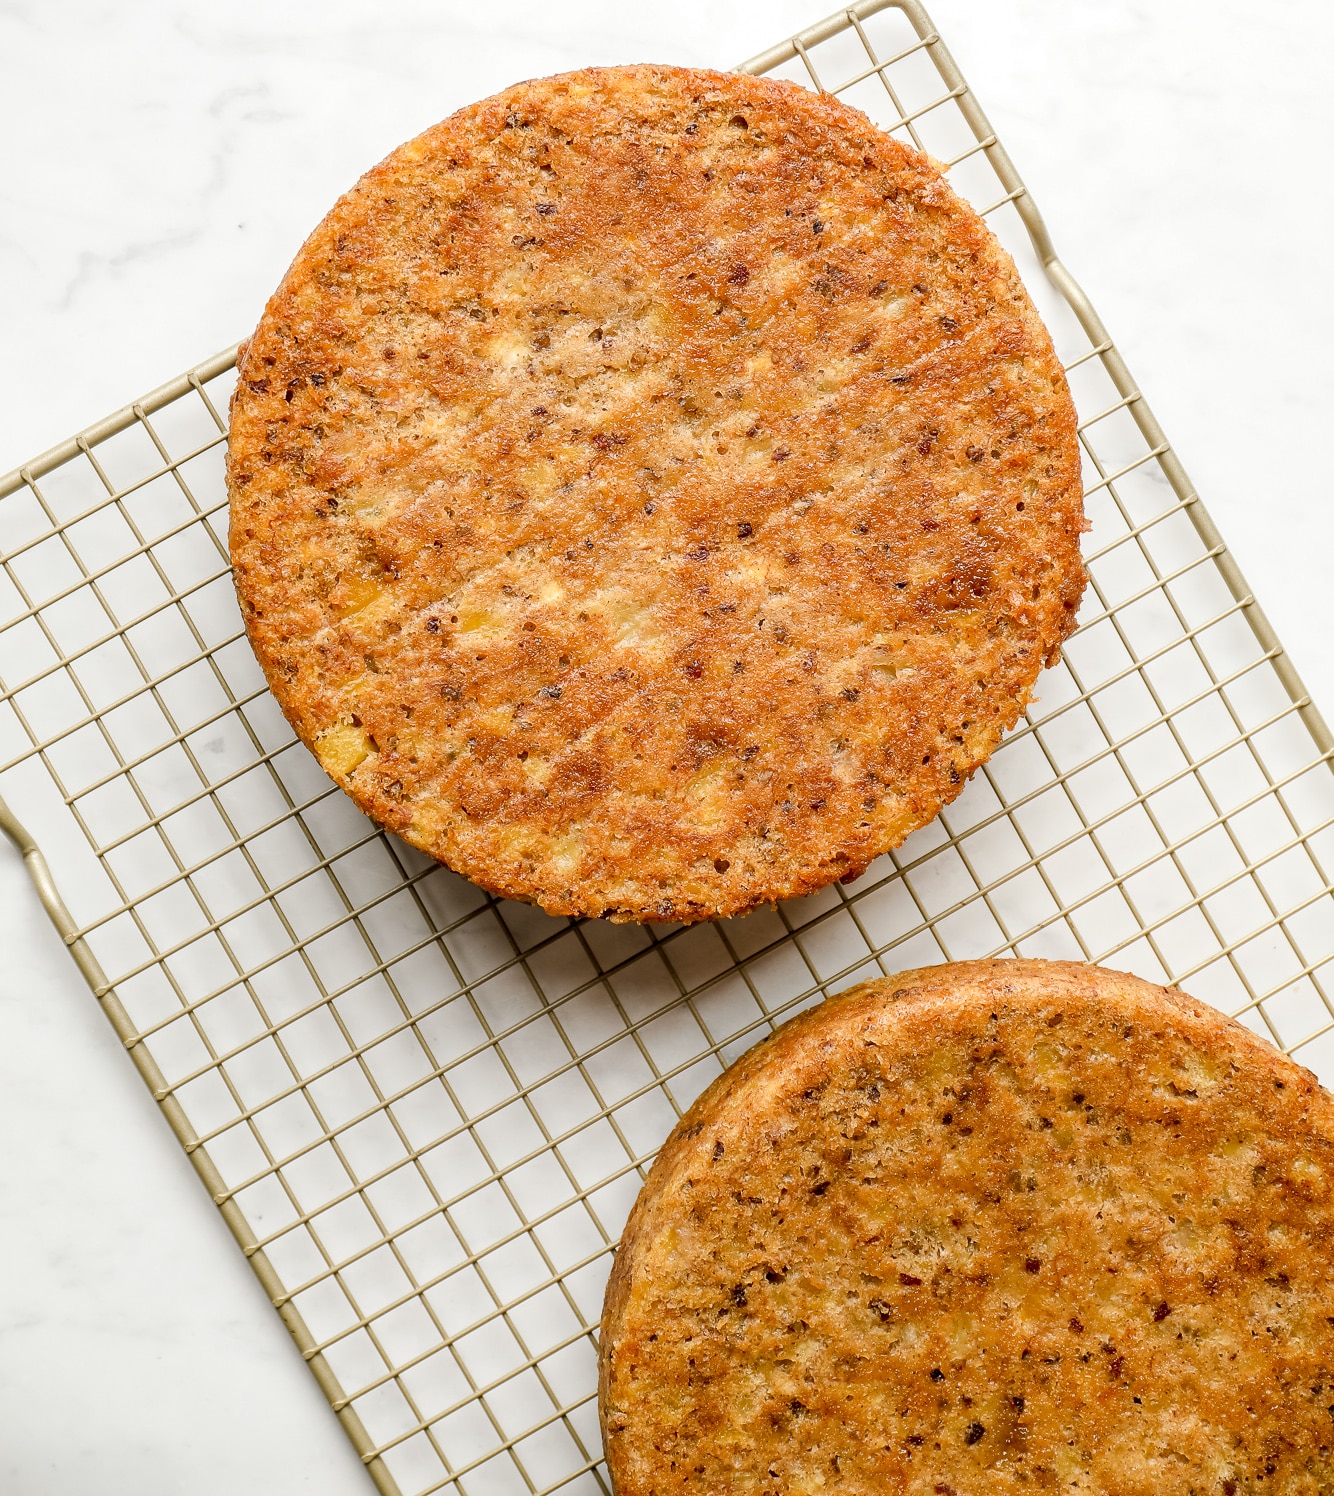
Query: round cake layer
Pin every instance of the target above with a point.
(653, 492)
(999, 1227)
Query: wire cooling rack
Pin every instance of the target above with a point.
(424, 1113)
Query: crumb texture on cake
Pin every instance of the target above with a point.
(998, 1227)
(653, 492)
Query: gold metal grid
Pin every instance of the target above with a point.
(424, 1113)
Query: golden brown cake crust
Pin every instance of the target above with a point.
(997, 1227)
(653, 492)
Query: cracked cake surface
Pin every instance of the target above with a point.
(653, 492)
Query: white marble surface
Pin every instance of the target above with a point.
(162, 161)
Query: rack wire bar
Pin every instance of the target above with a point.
(423, 1112)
